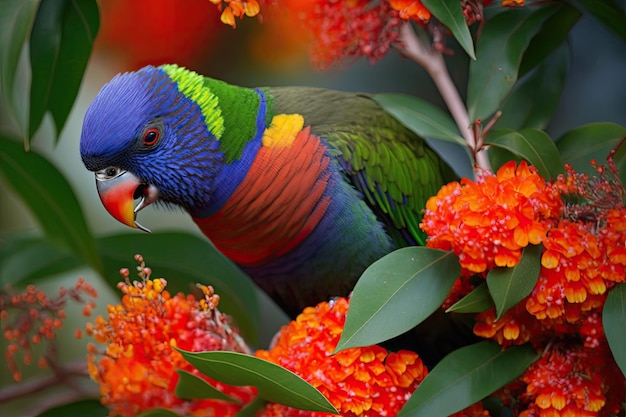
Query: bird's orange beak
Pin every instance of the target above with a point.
(118, 189)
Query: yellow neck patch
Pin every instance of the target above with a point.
(283, 130)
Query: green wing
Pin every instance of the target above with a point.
(394, 168)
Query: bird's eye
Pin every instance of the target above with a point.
(151, 136)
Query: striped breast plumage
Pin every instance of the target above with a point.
(294, 223)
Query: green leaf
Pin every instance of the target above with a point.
(252, 408)
(49, 197)
(534, 99)
(508, 286)
(433, 124)
(191, 387)
(499, 50)
(500, 156)
(396, 293)
(614, 324)
(451, 15)
(16, 17)
(78, 408)
(158, 412)
(466, 376)
(60, 44)
(477, 301)
(608, 13)
(422, 117)
(533, 145)
(552, 36)
(183, 260)
(275, 383)
(25, 260)
(592, 141)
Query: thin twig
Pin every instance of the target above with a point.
(33, 385)
(432, 61)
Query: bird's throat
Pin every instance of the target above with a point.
(278, 204)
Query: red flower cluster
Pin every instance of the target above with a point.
(569, 380)
(137, 370)
(580, 221)
(31, 317)
(349, 29)
(236, 8)
(487, 223)
(367, 381)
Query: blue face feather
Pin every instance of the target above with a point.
(119, 113)
(203, 134)
(128, 113)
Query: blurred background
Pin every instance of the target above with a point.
(270, 50)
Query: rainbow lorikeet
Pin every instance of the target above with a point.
(302, 188)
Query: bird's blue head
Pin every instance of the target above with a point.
(153, 134)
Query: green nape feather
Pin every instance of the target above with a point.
(393, 167)
(230, 111)
(190, 84)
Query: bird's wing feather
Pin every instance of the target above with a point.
(394, 168)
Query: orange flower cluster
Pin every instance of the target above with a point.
(487, 223)
(569, 380)
(515, 327)
(350, 29)
(236, 8)
(367, 381)
(137, 370)
(31, 317)
(580, 220)
(411, 9)
(512, 3)
(585, 253)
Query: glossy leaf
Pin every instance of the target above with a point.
(16, 17)
(608, 13)
(275, 383)
(499, 51)
(50, 198)
(26, 260)
(477, 301)
(183, 260)
(552, 36)
(466, 376)
(60, 44)
(500, 156)
(158, 412)
(534, 99)
(191, 386)
(433, 124)
(592, 141)
(396, 293)
(422, 117)
(78, 408)
(508, 286)
(252, 408)
(614, 324)
(451, 15)
(531, 144)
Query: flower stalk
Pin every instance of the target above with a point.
(432, 61)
